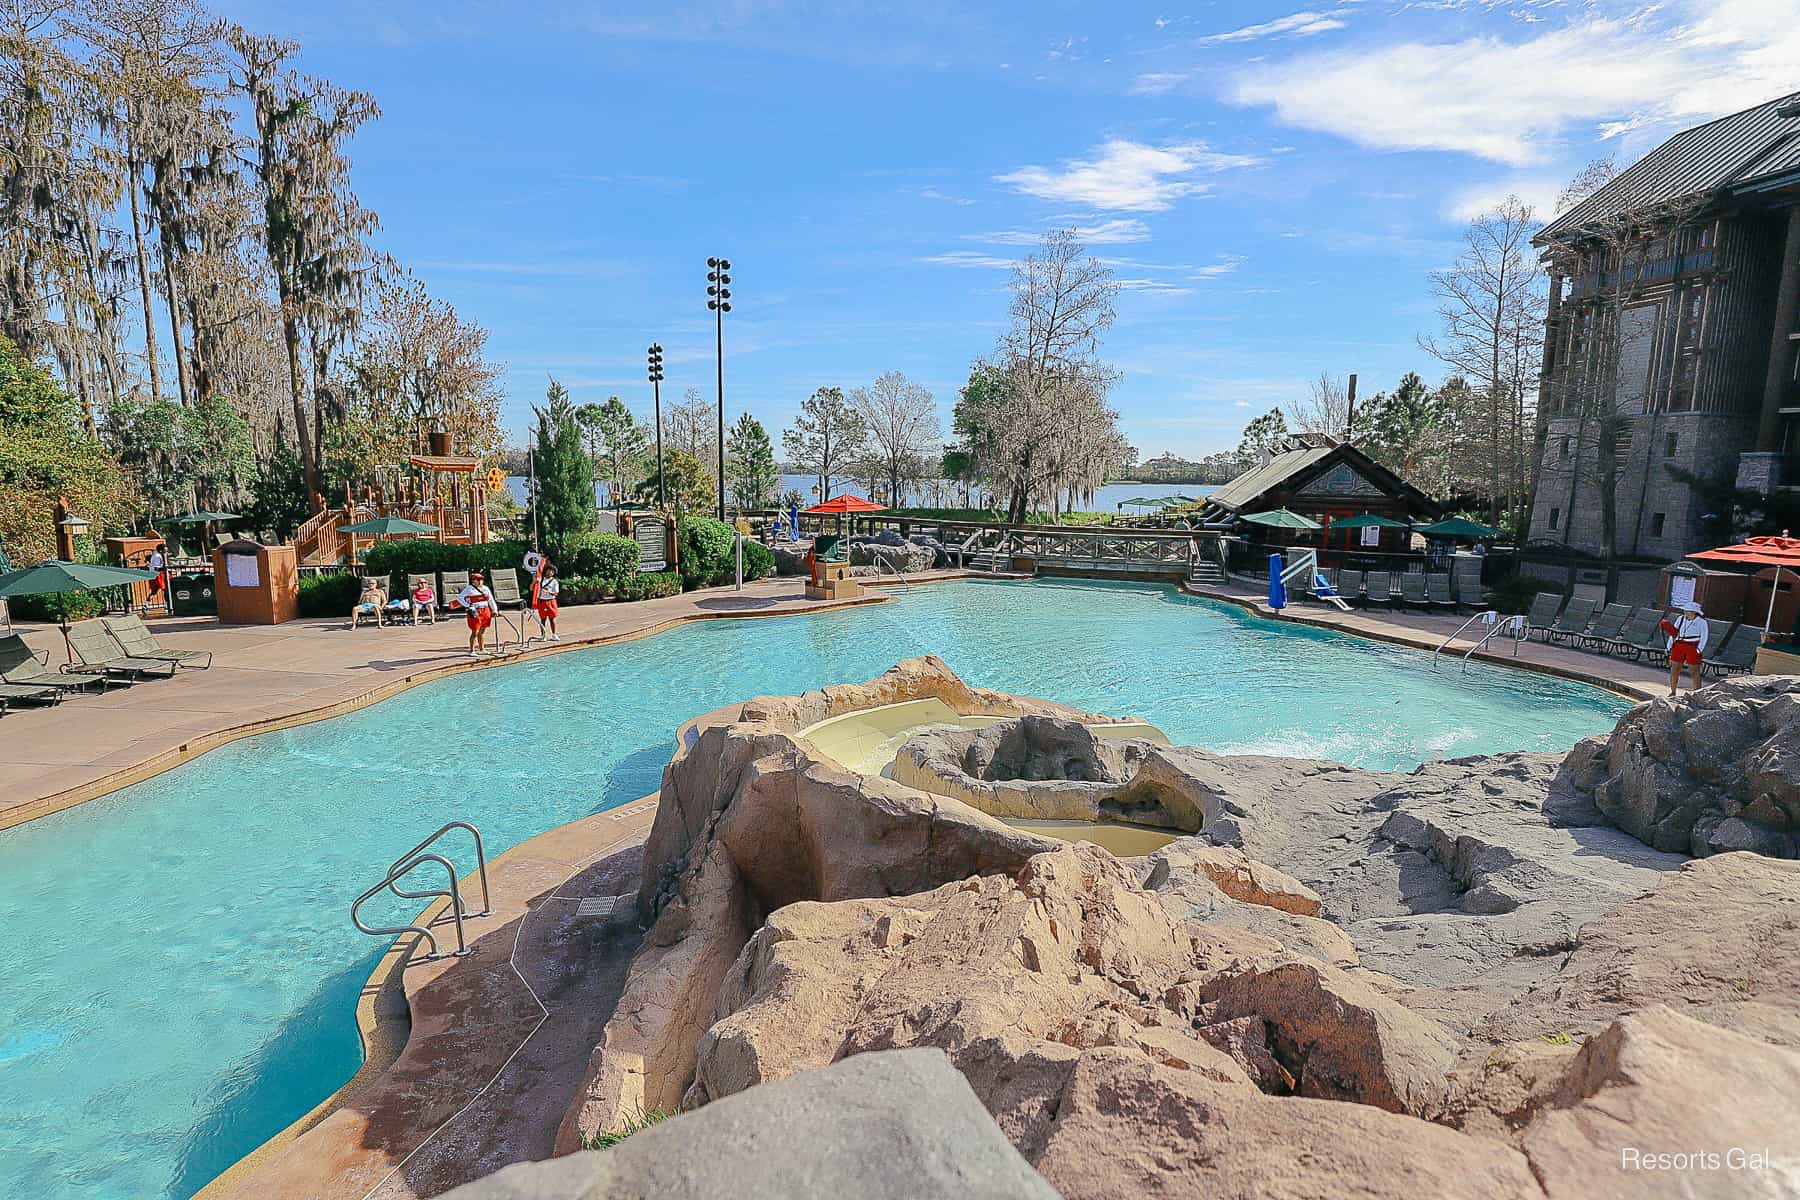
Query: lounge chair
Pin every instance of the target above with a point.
(31, 693)
(134, 637)
(1378, 588)
(1737, 652)
(99, 654)
(1437, 591)
(1650, 647)
(1469, 592)
(1607, 625)
(1573, 623)
(1640, 631)
(450, 586)
(1412, 591)
(1350, 585)
(505, 586)
(20, 666)
(1542, 613)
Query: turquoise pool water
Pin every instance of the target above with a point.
(180, 971)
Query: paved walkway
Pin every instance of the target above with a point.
(266, 676)
(1428, 630)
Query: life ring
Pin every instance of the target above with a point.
(533, 560)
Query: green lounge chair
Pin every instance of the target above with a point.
(1648, 647)
(1350, 585)
(505, 586)
(1469, 592)
(20, 666)
(1378, 588)
(1573, 622)
(1640, 627)
(1542, 613)
(100, 654)
(134, 637)
(1607, 625)
(412, 585)
(1437, 591)
(31, 694)
(1737, 653)
(450, 586)
(1412, 591)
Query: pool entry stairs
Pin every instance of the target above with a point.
(422, 857)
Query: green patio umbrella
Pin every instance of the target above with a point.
(1368, 520)
(1457, 527)
(1137, 502)
(203, 518)
(1280, 518)
(54, 575)
(388, 526)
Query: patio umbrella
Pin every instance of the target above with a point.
(388, 526)
(203, 518)
(842, 505)
(1280, 518)
(54, 575)
(1778, 552)
(1457, 527)
(1137, 502)
(1368, 520)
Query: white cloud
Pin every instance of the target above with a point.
(967, 258)
(1109, 232)
(1126, 176)
(1539, 191)
(1513, 101)
(934, 194)
(1225, 266)
(1300, 24)
(1156, 287)
(1156, 83)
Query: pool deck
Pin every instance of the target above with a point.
(269, 676)
(1426, 631)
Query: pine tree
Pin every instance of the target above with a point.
(565, 474)
(750, 464)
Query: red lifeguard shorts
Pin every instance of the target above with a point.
(1684, 654)
(479, 619)
(546, 610)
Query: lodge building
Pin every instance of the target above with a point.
(1690, 259)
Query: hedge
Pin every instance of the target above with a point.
(602, 556)
(329, 595)
(759, 560)
(705, 546)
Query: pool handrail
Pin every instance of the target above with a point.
(462, 945)
(394, 871)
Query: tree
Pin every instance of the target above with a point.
(1325, 407)
(200, 455)
(826, 438)
(565, 474)
(44, 454)
(1408, 431)
(1491, 304)
(689, 486)
(904, 440)
(692, 426)
(1034, 418)
(615, 441)
(750, 464)
(1263, 435)
(278, 494)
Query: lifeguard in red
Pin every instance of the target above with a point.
(1687, 635)
(548, 589)
(478, 602)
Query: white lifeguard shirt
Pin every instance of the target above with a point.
(475, 597)
(1690, 629)
(548, 588)
(156, 561)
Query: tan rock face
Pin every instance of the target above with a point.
(1128, 1127)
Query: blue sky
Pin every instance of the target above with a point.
(1274, 181)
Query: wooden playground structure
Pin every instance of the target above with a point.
(438, 488)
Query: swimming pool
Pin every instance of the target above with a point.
(181, 974)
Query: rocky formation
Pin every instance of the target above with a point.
(1704, 772)
(1458, 982)
(893, 1126)
(1055, 769)
(790, 557)
(890, 552)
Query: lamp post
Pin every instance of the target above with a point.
(718, 299)
(656, 378)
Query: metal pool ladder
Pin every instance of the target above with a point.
(417, 857)
(1513, 625)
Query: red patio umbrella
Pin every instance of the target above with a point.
(841, 505)
(1779, 552)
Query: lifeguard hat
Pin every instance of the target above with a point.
(474, 574)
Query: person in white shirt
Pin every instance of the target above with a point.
(478, 602)
(1687, 643)
(157, 563)
(548, 589)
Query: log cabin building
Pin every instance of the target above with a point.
(1320, 477)
(1674, 293)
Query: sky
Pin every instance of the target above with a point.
(1273, 183)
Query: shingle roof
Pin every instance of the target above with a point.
(1255, 482)
(1735, 152)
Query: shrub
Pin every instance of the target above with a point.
(586, 589)
(329, 595)
(651, 586)
(56, 607)
(705, 547)
(422, 556)
(759, 560)
(603, 556)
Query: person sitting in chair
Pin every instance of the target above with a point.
(424, 601)
(369, 604)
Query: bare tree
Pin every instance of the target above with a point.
(1491, 305)
(1325, 407)
(905, 439)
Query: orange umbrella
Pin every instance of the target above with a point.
(1778, 552)
(846, 503)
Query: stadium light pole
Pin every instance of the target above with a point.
(656, 378)
(718, 299)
